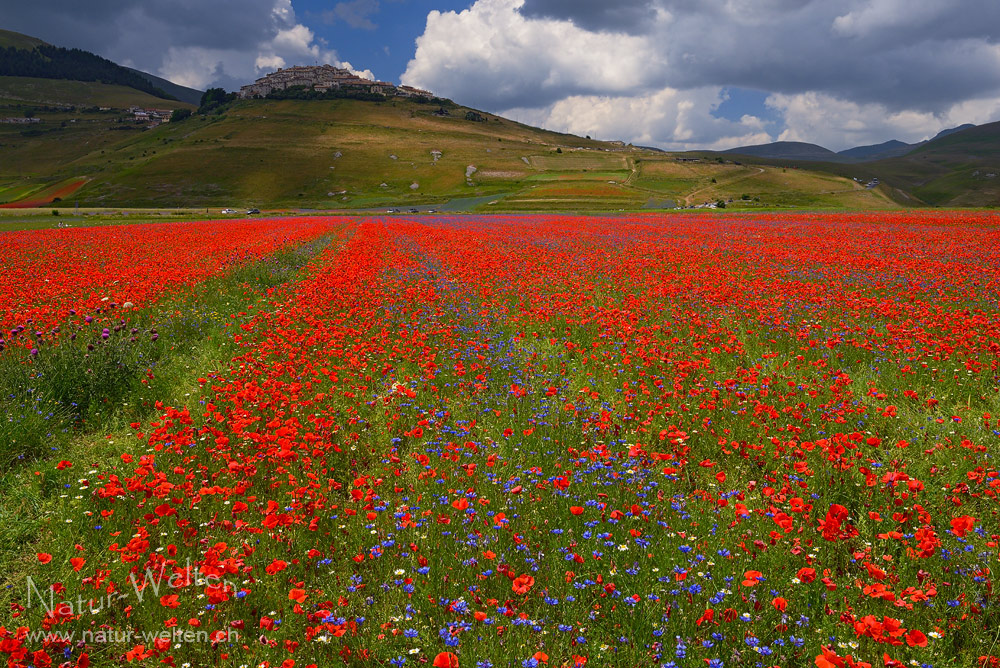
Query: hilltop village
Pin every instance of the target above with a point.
(324, 78)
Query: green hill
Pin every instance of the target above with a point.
(182, 93)
(15, 40)
(792, 150)
(347, 153)
(958, 169)
(31, 91)
(887, 149)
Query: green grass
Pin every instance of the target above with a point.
(9, 38)
(80, 93)
(612, 175)
(12, 220)
(65, 403)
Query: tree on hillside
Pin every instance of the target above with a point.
(217, 95)
(214, 99)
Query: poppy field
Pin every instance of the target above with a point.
(529, 441)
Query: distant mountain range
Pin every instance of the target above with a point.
(794, 150)
(958, 167)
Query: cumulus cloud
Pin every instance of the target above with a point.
(856, 69)
(492, 55)
(667, 118)
(191, 42)
(839, 124)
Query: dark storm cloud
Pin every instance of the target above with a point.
(631, 16)
(904, 54)
(141, 33)
(136, 29)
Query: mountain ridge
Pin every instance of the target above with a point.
(785, 149)
(886, 149)
(182, 93)
(794, 150)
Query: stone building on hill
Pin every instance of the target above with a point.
(324, 78)
(410, 91)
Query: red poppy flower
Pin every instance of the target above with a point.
(445, 660)
(963, 524)
(523, 584)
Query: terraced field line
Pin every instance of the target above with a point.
(690, 196)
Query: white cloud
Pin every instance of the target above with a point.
(839, 124)
(198, 67)
(288, 42)
(492, 54)
(854, 71)
(269, 62)
(552, 73)
(668, 118)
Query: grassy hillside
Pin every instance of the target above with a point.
(62, 92)
(793, 150)
(959, 169)
(10, 39)
(756, 185)
(183, 93)
(398, 153)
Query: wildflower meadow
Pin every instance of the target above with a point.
(481, 441)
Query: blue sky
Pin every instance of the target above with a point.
(379, 35)
(678, 74)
